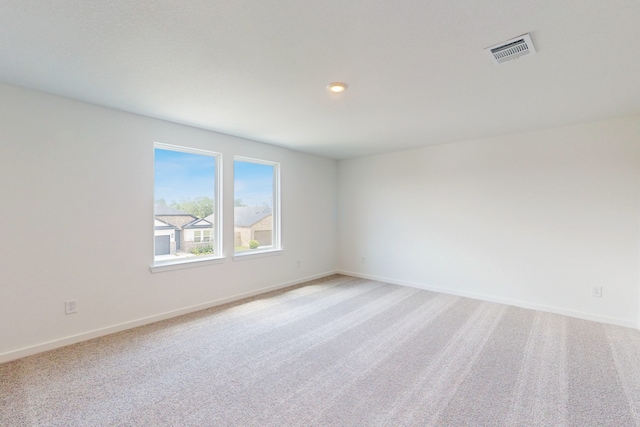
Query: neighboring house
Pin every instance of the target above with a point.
(198, 233)
(164, 236)
(176, 230)
(253, 223)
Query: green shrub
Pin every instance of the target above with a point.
(202, 250)
(254, 244)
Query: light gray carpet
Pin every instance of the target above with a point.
(338, 352)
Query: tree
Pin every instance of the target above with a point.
(199, 207)
(238, 203)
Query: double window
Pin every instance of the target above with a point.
(188, 195)
(202, 236)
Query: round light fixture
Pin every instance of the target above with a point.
(337, 87)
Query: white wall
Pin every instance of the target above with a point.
(77, 216)
(534, 219)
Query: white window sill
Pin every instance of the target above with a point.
(256, 253)
(187, 263)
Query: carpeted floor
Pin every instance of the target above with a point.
(338, 352)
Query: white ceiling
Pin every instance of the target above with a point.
(416, 70)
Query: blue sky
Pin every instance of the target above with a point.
(180, 176)
(253, 183)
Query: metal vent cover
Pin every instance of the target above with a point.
(511, 49)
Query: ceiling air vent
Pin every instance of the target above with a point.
(511, 49)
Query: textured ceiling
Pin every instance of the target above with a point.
(416, 70)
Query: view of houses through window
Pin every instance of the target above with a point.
(256, 194)
(184, 208)
(185, 195)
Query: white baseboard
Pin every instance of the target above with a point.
(490, 298)
(73, 339)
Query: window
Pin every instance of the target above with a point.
(256, 205)
(186, 207)
(201, 236)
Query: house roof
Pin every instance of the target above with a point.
(164, 225)
(417, 71)
(246, 216)
(168, 210)
(206, 222)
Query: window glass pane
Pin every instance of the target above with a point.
(255, 205)
(185, 194)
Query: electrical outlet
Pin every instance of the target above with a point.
(70, 306)
(298, 264)
(596, 291)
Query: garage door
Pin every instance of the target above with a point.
(263, 237)
(163, 245)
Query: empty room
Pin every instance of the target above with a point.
(303, 213)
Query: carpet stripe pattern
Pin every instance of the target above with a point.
(338, 351)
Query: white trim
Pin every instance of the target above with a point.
(276, 232)
(185, 263)
(73, 339)
(256, 253)
(490, 298)
(258, 161)
(218, 204)
(183, 149)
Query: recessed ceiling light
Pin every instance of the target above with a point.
(337, 87)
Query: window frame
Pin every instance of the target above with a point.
(276, 237)
(218, 255)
